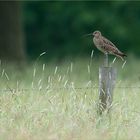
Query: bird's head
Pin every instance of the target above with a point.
(96, 33)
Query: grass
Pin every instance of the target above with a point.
(56, 102)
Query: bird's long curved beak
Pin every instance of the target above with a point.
(88, 35)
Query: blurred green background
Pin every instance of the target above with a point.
(29, 28)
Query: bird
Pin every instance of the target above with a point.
(105, 45)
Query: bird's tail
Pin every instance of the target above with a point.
(121, 55)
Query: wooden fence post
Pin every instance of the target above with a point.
(107, 77)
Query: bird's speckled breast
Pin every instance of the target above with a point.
(98, 43)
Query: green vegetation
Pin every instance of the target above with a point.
(58, 100)
(51, 101)
(57, 27)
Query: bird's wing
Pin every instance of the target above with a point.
(111, 48)
(108, 42)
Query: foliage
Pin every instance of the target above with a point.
(57, 27)
(47, 103)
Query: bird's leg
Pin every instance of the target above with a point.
(106, 60)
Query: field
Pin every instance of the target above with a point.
(58, 101)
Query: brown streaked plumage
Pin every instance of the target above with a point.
(106, 46)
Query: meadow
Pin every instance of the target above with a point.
(58, 101)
